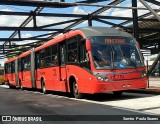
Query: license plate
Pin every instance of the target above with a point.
(126, 85)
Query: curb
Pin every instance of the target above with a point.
(155, 91)
(158, 79)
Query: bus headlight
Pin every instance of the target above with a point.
(100, 78)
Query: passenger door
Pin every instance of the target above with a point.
(63, 72)
(13, 71)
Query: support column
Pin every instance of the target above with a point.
(3, 48)
(135, 20)
(9, 44)
(153, 65)
(19, 34)
(34, 19)
(89, 22)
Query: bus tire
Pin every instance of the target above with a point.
(10, 86)
(117, 93)
(44, 91)
(76, 94)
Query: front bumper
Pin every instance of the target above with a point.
(108, 86)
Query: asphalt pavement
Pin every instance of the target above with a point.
(64, 109)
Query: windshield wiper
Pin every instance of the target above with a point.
(112, 59)
(135, 65)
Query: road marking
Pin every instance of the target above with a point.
(4, 86)
(117, 106)
(103, 103)
(129, 104)
(137, 111)
(156, 111)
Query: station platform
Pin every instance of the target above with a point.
(153, 86)
(154, 82)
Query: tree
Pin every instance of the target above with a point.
(15, 51)
(152, 59)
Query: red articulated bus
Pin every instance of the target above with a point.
(87, 60)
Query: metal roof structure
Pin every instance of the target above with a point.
(145, 28)
(150, 38)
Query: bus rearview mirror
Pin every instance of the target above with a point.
(88, 45)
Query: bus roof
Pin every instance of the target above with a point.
(24, 54)
(10, 60)
(86, 32)
(60, 38)
(102, 31)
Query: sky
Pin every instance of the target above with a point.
(17, 20)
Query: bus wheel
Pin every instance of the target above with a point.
(43, 87)
(76, 94)
(117, 93)
(11, 87)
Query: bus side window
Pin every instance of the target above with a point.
(63, 54)
(6, 68)
(12, 67)
(22, 63)
(27, 63)
(55, 55)
(9, 68)
(73, 56)
(37, 60)
(19, 65)
(72, 50)
(83, 53)
(48, 56)
(42, 58)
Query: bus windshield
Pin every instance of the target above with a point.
(115, 52)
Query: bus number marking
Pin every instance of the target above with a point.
(113, 77)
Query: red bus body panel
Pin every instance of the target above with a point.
(50, 76)
(87, 83)
(26, 79)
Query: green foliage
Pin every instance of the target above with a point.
(18, 50)
(152, 59)
(15, 51)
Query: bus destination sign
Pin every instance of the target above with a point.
(115, 41)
